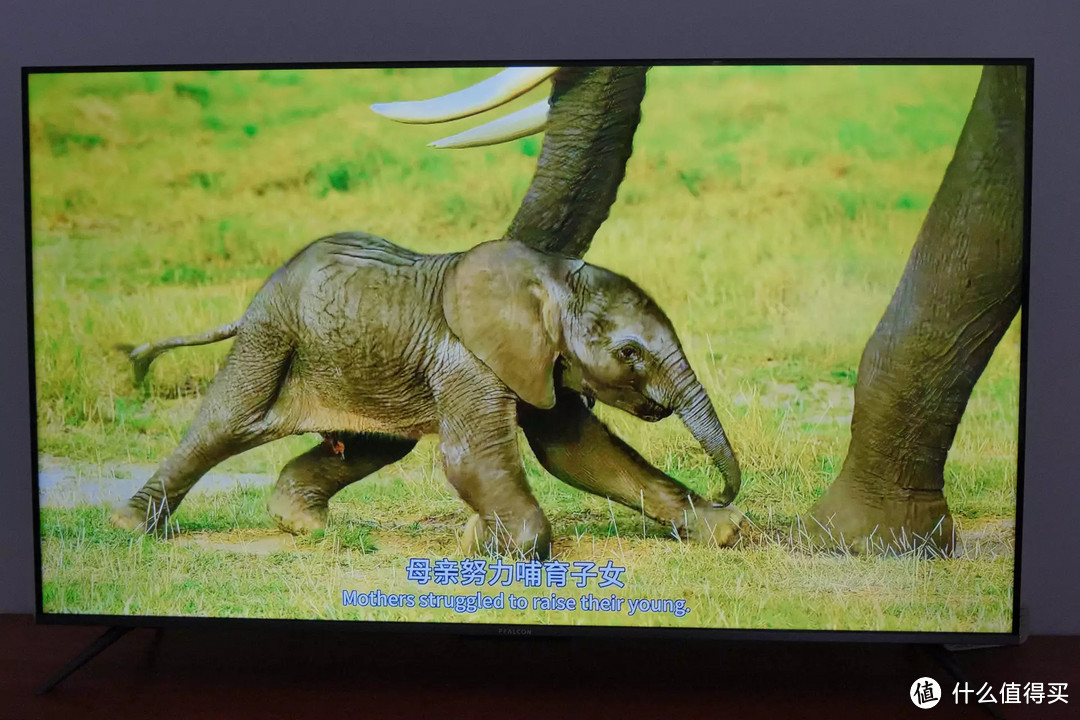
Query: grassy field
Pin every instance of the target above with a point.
(768, 210)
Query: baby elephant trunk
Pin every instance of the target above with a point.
(694, 408)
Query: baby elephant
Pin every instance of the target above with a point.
(373, 346)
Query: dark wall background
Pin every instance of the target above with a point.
(53, 32)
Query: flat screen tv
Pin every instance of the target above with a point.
(710, 348)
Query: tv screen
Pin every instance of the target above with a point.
(531, 349)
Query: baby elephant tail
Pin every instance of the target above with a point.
(143, 355)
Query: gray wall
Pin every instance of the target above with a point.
(136, 31)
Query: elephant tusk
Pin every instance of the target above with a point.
(526, 121)
(487, 94)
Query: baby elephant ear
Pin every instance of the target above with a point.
(500, 302)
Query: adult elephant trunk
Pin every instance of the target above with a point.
(589, 120)
(593, 114)
(693, 406)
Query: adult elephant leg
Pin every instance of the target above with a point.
(958, 294)
(576, 447)
(300, 501)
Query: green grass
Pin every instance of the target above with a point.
(769, 211)
(228, 560)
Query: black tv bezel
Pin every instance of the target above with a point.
(1014, 636)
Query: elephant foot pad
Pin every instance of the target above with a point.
(716, 526)
(294, 517)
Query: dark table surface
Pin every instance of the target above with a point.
(296, 673)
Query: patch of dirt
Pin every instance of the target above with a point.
(822, 403)
(393, 543)
(247, 542)
(985, 537)
(62, 483)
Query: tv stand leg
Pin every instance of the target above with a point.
(946, 659)
(89, 653)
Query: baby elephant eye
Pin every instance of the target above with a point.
(629, 353)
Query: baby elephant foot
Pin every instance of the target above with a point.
(474, 536)
(135, 516)
(532, 538)
(128, 518)
(713, 525)
(297, 515)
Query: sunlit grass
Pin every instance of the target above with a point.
(768, 211)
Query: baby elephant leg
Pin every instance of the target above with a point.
(576, 447)
(233, 418)
(299, 503)
(483, 463)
